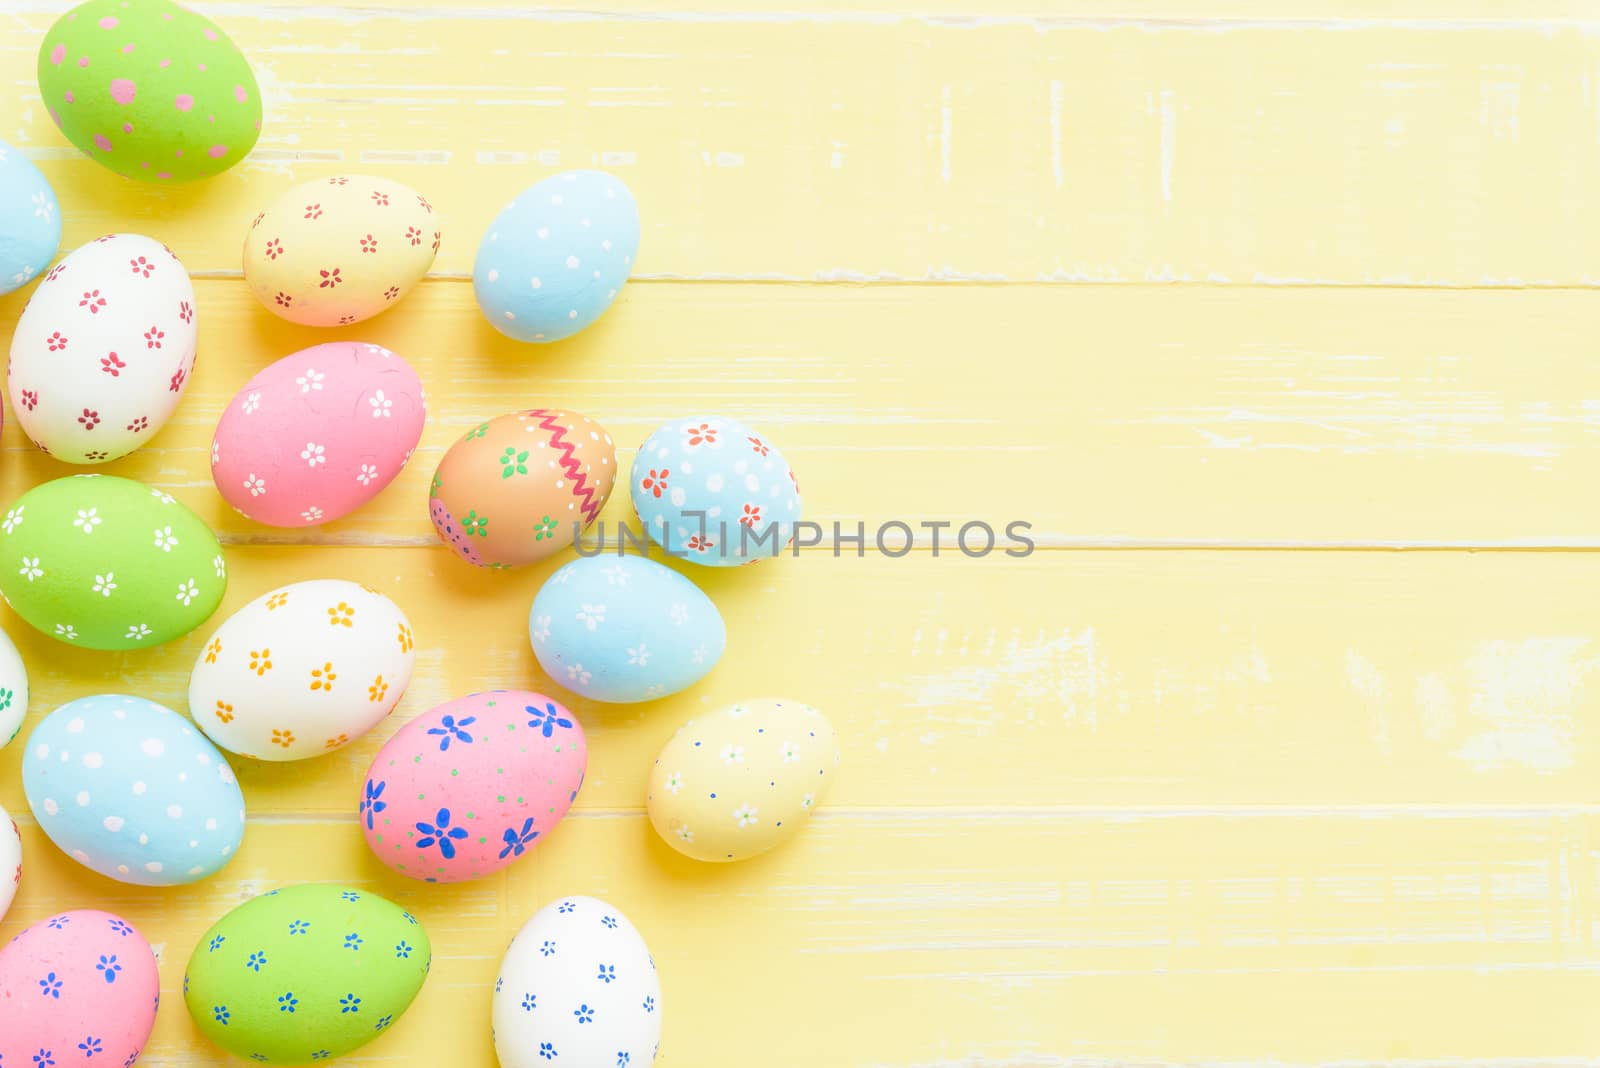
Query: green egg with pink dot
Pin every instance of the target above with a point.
(149, 89)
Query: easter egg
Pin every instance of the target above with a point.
(521, 486)
(317, 434)
(149, 89)
(302, 670)
(339, 250)
(10, 861)
(80, 990)
(624, 628)
(473, 785)
(556, 257)
(738, 782)
(108, 563)
(714, 492)
(30, 219)
(305, 973)
(130, 789)
(578, 987)
(104, 349)
(13, 692)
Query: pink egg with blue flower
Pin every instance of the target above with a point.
(77, 989)
(472, 786)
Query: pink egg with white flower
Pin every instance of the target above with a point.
(80, 988)
(473, 785)
(317, 434)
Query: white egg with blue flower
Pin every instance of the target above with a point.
(132, 790)
(30, 220)
(556, 257)
(577, 988)
(623, 629)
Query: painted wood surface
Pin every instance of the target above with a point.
(1231, 304)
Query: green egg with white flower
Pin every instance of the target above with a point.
(305, 973)
(108, 563)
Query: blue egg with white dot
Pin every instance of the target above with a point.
(556, 257)
(133, 790)
(30, 220)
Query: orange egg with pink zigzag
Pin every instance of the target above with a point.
(521, 486)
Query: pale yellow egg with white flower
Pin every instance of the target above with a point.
(742, 780)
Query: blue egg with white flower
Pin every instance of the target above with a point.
(30, 220)
(623, 629)
(713, 491)
(556, 257)
(133, 790)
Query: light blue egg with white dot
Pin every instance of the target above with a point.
(556, 257)
(30, 220)
(623, 629)
(132, 790)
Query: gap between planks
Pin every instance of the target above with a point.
(1042, 543)
(945, 277)
(1093, 814)
(1421, 17)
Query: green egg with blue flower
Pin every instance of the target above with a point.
(306, 973)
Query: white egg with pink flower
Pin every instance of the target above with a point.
(104, 349)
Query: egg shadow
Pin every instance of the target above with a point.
(145, 206)
(571, 358)
(680, 872)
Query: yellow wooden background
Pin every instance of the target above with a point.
(1277, 319)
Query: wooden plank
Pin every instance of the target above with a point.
(1098, 808)
(921, 939)
(1102, 416)
(1432, 13)
(1138, 680)
(1234, 151)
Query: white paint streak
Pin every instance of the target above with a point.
(1368, 683)
(436, 158)
(276, 159)
(1056, 95)
(951, 274)
(1169, 141)
(1501, 103)
(1435, 703)
(1064, 671)
(1526, 694)
(946, 126)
